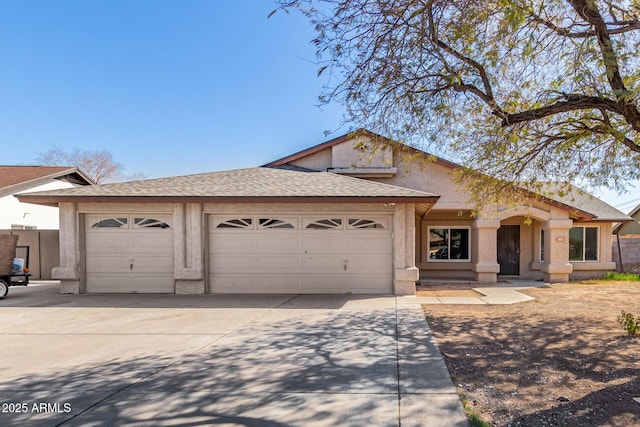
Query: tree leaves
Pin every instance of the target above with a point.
(517, 89)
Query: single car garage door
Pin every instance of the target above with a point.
(300, 254)
(129, 253)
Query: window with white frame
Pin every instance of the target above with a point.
(583, 244)
(449, 243)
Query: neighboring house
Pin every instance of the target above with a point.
(16, 215)
(631, 227)
(339, 217)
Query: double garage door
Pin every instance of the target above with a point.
(246, 253)
(300, 254)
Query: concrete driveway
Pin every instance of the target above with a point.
(103, 360)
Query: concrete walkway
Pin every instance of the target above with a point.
(271, 360)
(499, 293)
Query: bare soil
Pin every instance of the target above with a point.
(560, 360)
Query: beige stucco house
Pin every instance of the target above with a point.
(340, 217)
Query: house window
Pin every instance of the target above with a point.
(541, 245)
(448, 244)
(583, 244)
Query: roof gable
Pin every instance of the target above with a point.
(19, 178)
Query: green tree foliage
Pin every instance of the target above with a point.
(521, 90)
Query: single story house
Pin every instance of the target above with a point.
(339, 217)
(16, 215)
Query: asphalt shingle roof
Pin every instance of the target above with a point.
(241, 183)
(576, 197)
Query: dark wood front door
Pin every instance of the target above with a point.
(509, 249)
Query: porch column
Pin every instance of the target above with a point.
(556, 266)
(188, 253)
(68, 272)
(405, 272)
(484, 243)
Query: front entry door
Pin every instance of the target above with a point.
(509, 249)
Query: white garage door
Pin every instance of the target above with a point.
(300, 254)
(129, 253)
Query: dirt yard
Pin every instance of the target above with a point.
(560, 360)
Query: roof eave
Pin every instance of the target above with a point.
(56, 200)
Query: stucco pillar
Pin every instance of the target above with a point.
(188, 253)
(405, 272)
(68, 272)
(484, 243)
(556, 266)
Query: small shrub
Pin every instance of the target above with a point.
(630, 277)
(629, 322)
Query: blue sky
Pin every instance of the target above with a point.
(168, 87)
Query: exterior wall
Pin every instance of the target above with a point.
(627, 256)
(631, 228)
(14, 212)
(319, 161)
(189, 228)
(359, 153)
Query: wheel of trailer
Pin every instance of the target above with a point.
(4, 289)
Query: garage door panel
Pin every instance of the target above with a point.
(277, 242)
(232, 243)
(278, 283)
(235, 283)
(233, 264)
(101, 242)
(278, 264)
(156, 243)
(157, 263)
(368, 244)
(319, 242)
(107, 264)
(150, 283)
(311, 284)
(319, 264)
(376, 264)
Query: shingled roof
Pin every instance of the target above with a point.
(239, 185)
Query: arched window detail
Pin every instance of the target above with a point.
(325, 224)
(149, 223)
(358, 223)
(236, 223)
(274, 223)
(112, 223)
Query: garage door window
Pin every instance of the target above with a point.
(324, 224)
(242, 223)
(266, 223)
(149, 223)
(112, 223)
(357, 223)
